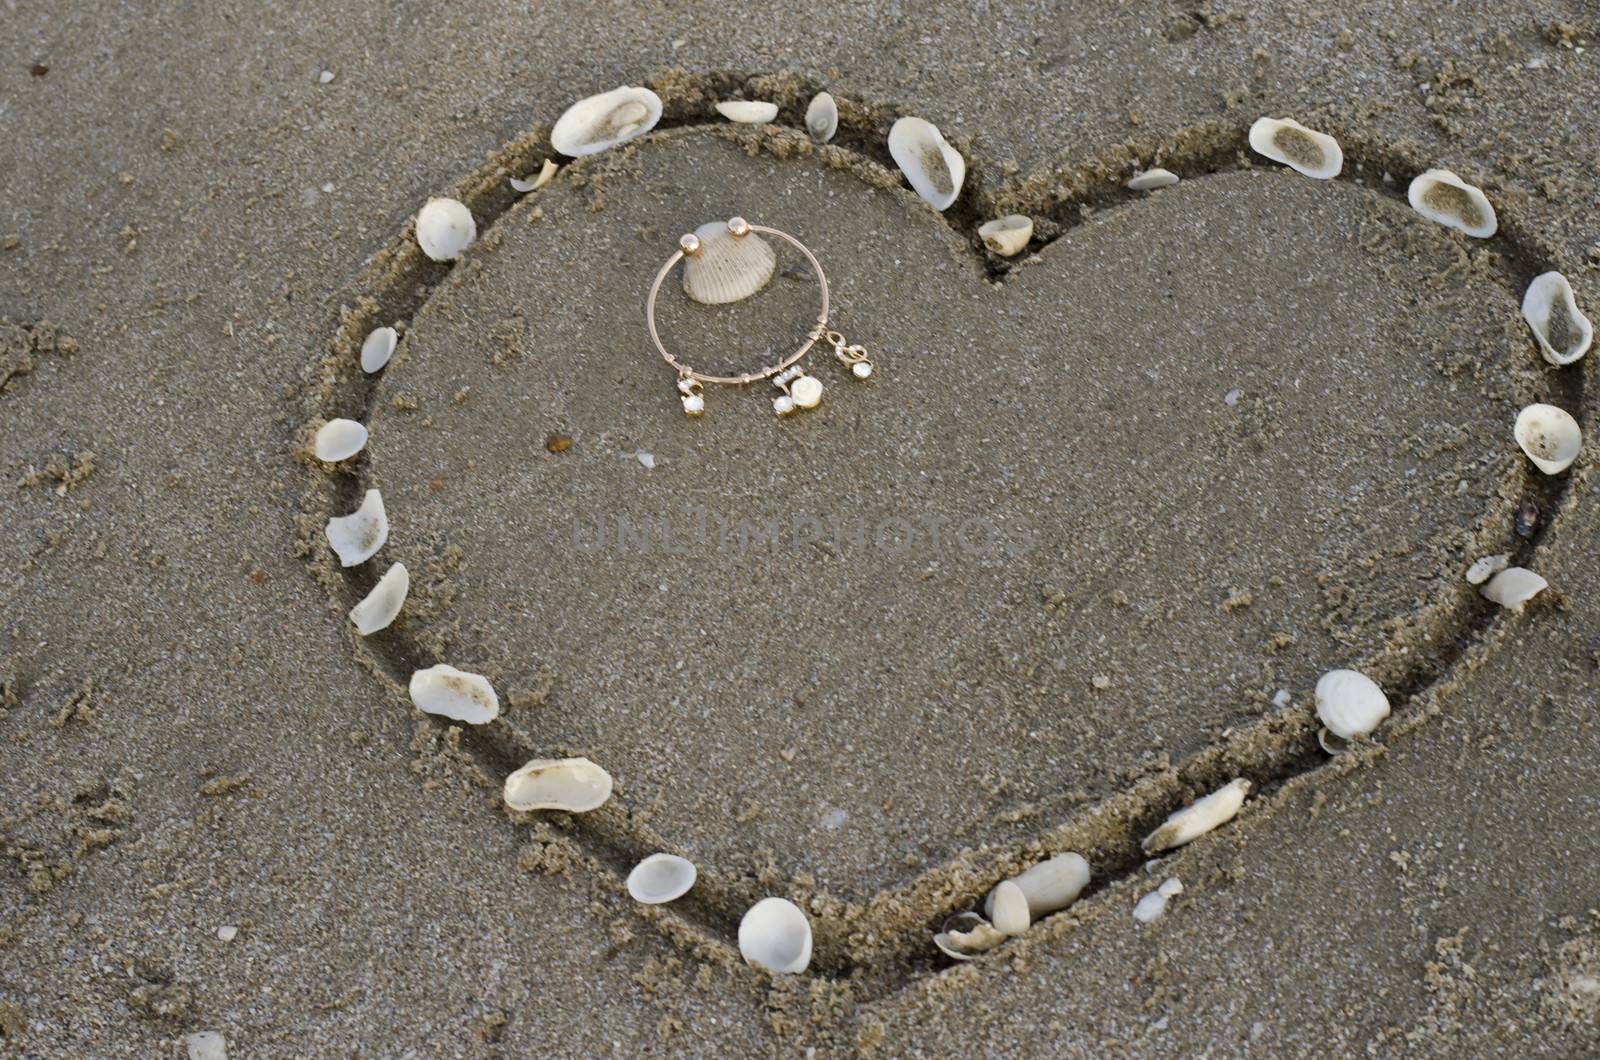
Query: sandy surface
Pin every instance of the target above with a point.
(195, 228)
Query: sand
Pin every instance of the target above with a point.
(1216, 440)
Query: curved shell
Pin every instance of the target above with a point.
(358, 536)
(727, 267)
(1444, 198)
(1151, 179)
(455, 694)
(575, 785)
(934, 168)
(775, 935)
(546, 174)
(445, 229)
(661, 878)
(822, 117)
(1350, 706)
(1052, 885)
(1485, 567)
(591, 125)
(1196, 820)
(380, 607)
(1550, 437)
(748, 111)
(1514, 587)
(1007, 908)
(339, 440)
(966, 935)
(377, 348)
(1563, 332)
(1304, 150)
(1007, 236)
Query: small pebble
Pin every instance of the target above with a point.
(1528, 518)
(647, 459)
(1232, 396)
(206, 1045)
(325, 77)
(227, 933)
(1101, 681)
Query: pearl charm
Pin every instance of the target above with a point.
(806, 391)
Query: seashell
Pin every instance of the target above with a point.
(379, 607)
(575, 785)
(748, 111)
(546, 174)
(1008, 235)
(1563, 332)
(1196, 820)
(1486, 566)
(1549, 436)
(610, 118)
(1052, 885)
(966, 935)
(378, 348)
(445, 229)
(1514, 587)
(1152, 905)
(339, 440)
(455, 694)
(357, 536)
(1007, 908)
(1350, 705)
(661, 878)
(934, 168)
(775, 935)
(1151, 179)
(725, 267)
(1442, 197)
(822, 117)
(1304, 150)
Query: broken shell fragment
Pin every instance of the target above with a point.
(1350, 706)
(1550, 437)
(748, 111)
(1304, 150)
(724, 267)
(357, 536)
(575, 785)
(1007, 908)
(379, 607)
(591, 125)
(1194, 821)
(339, 440)
(1007, 236)
(822, 117)
(1444, 198)
(1152, 905)
(454, 694)
(966, 935)
(1513, 587)
(445, 229)
(661, 878)
(1151, 179)
(1052, 885)
(934, 168)
(1563, 332)
(1484, 567)
(546, 174)
(775, 935)
(378, 348)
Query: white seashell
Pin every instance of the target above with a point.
(1007, 908)
(1563, 332)
(1152, 905)
(1007, 235)
(546, 174)
(1151, 179)
(775, 935)
(822, 117)
(1550, 437)
(1442, 197)
(378, 348)
(379, 607)
(1514, 587)
(727, 267)
(1486, 566)
(455, 694)
(749, 111)
(934, 168)
(445, 229)
(966, 935)
(661, 878)
(1052, 885)
(357, 536)
(575, 785)
(1194, 821)
(1350, 705)
(610, 118)
(208, 1045)
(339, 440)
(1301, 149)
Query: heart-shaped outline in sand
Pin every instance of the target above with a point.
(885, 945)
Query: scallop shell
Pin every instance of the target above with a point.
(1052, 885)
(357, 536)
(445, 229)
(1007, 236)
(1442, 197)
(934, 168)
(966, 935)
(546, 174)
(1350, 706)
(1514, 587)
(591, 125)
(1304, 150)
(775, 935)
(455, 694)
(339, 440)
(822, 117)
(575, 785)
(1196, 820)
(1550, 437)
(1486, 567)
(727, 267)
(1563, 332)
(379, 607)
(378, 348)
(1007, 908)
(748, 111)
(661, 878)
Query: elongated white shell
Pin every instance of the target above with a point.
(1151, 179)
(575, 785)
(1485, 567)
(1007, 908)
(661, 878)
(1008, 235)
(1053, 885)
(1350, 705)
(776, 935)
(605, 120)
(379, 607)
(339, 440)
(1550, 437)
(1563, 332)
(357, 536)
(727, 267)
(546, 174)
(748, 111)
(1194, 821)
(966, 935)
(1301, 149)
(1514, 587)
(445, 229)
(456, 694)
(822, 117)
(378, 348)
(1444, 198)
(934, 168)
